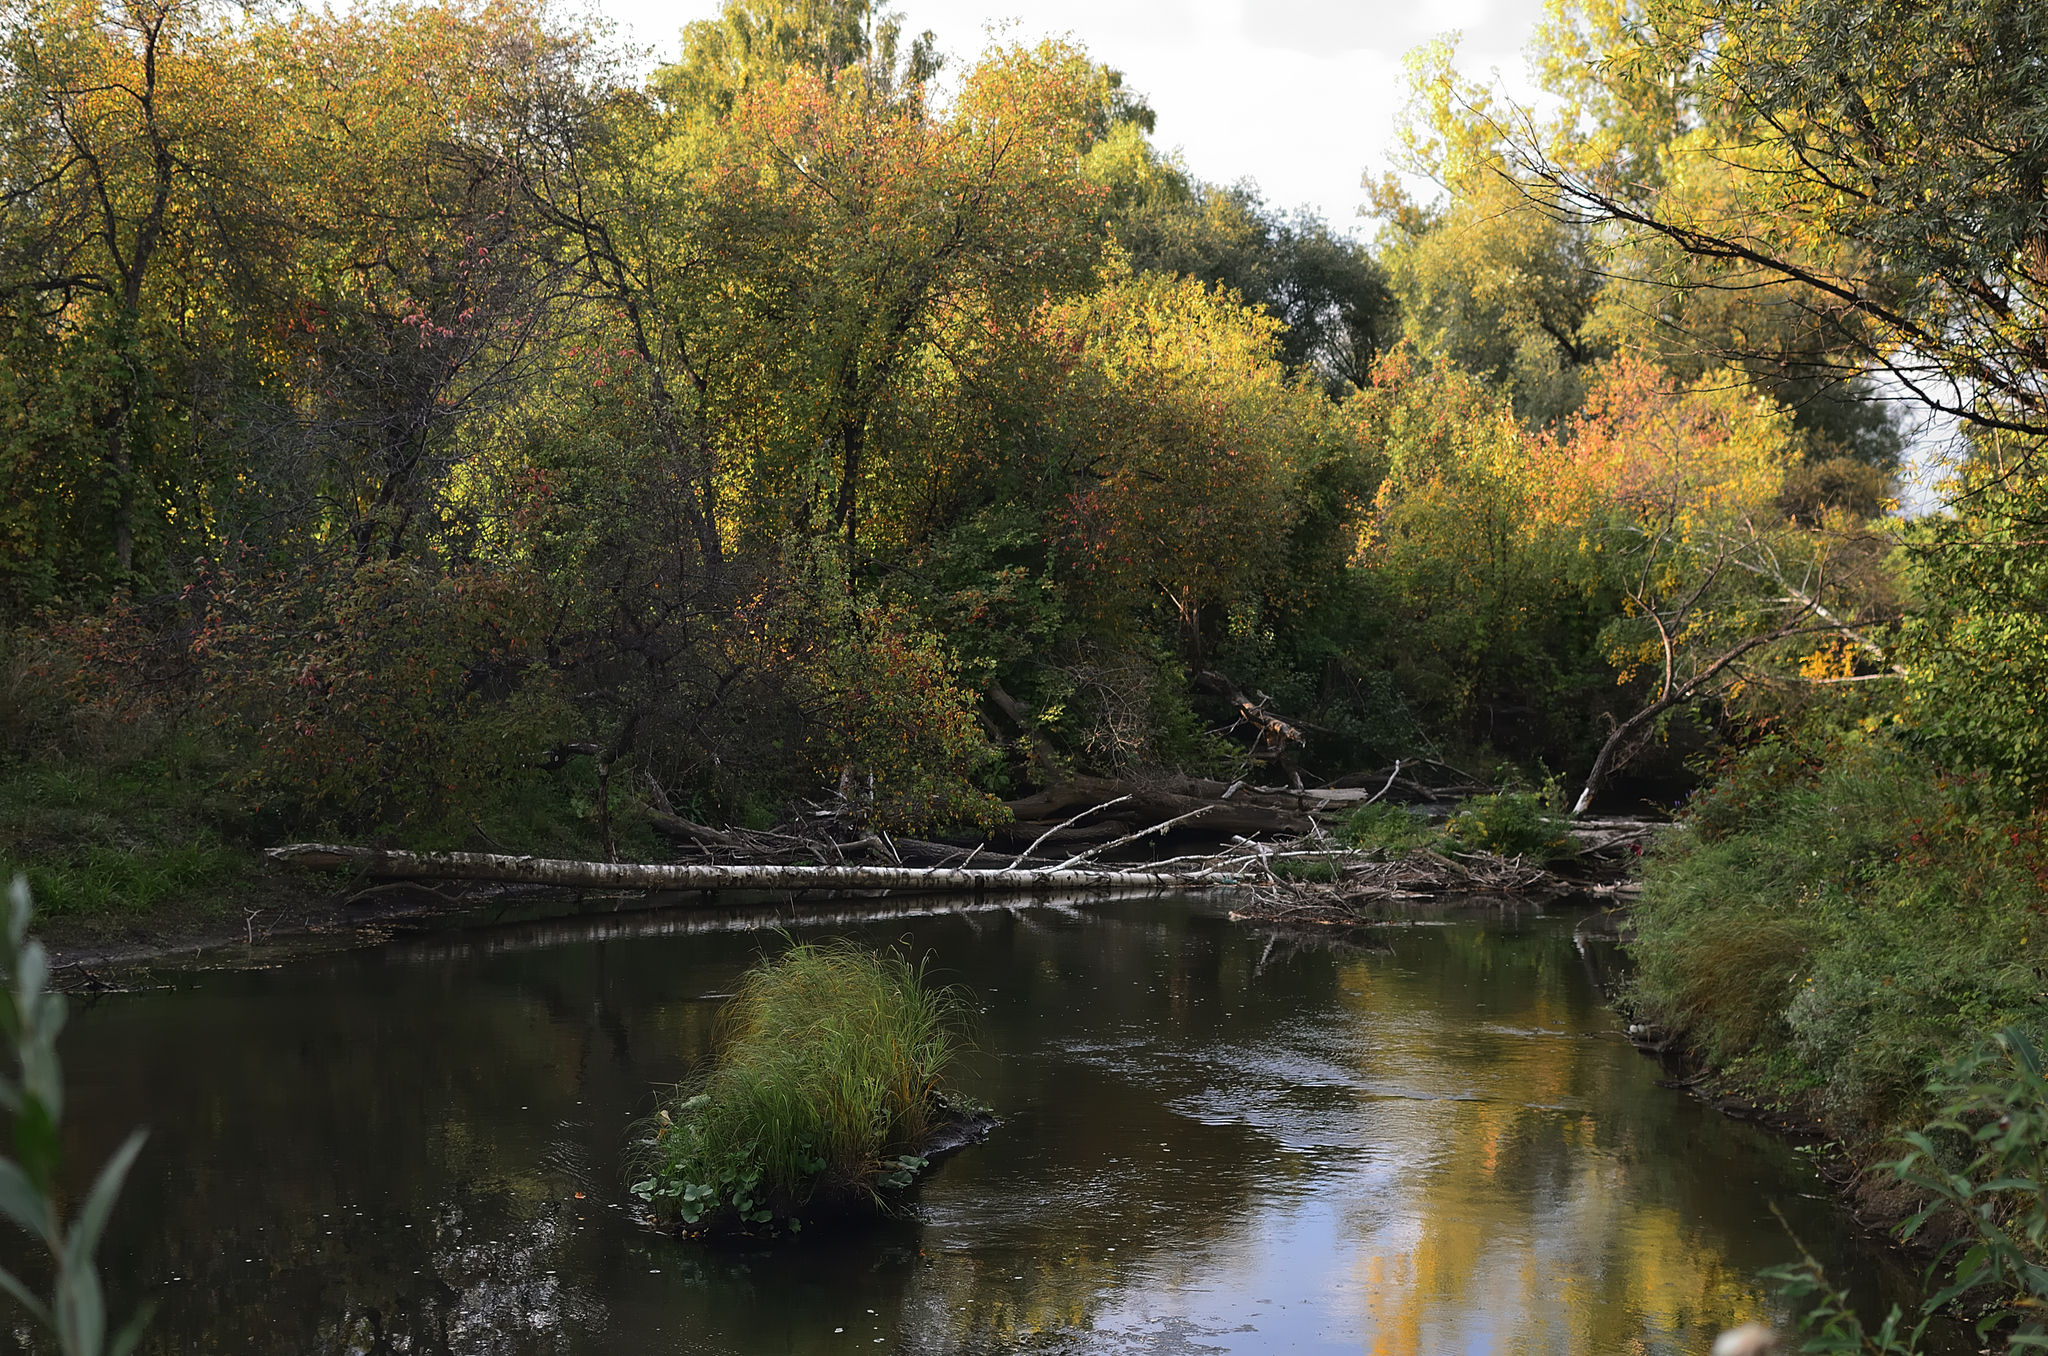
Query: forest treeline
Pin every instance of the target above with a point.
(398, 400)
(422, 425)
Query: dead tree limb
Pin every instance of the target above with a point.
(679, 876)
(1065, 824)
(1131, 838)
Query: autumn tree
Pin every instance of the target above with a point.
(1508, 275)
(1720, 591)
(411, 299)
(123, 147)
(1184, 443)
(1476, 552)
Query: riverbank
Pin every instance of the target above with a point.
(1833, 924)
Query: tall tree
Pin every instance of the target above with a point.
(122, 162)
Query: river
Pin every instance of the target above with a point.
(1215, 1139)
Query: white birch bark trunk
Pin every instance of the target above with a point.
(652, 876)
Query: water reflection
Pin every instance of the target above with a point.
(1216, 1140)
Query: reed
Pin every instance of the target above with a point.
(827, 1079)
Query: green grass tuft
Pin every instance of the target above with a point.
(827, 1079)
(1511, 824)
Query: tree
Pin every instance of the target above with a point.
(122, 141)
(1881, 175)
(754, 43)
(411, 298)
(1715, 580)
(1182, 443)
(1508, 276)
(1476, 551)
(1487, 278)
(1326, 291)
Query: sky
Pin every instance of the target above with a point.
(1300, 96)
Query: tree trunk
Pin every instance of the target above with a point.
(651, 876)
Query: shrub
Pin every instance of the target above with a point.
(891, 712)
(827, 1080)
(1979, 1164)
(1387, 828)
(1836, 921)
(1512, 824)
(392, 693)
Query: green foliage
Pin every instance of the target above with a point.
(1833, 918)
(393, 693)
(1981, 1164)
(1510, 824)
(1484, 555)
(104, 879)
(1328, 292)
(894, 721)
(106, 829)
(1977, 653)
(1387, 828)
(827, 1078)
(30, 1019)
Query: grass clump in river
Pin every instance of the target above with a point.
(827, 1081)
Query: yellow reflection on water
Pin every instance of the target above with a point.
(1515, 1225)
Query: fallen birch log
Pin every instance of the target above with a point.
(686, 876)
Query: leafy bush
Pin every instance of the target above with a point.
(1512, 824)
(1982, 1163)
(826, 1081)
(393, 693)
(1387, 828)
(892, 713)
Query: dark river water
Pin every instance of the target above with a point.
(1215, 1140)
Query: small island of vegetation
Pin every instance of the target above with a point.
(825, 1098)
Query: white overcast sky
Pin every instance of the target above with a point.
(1298, 95)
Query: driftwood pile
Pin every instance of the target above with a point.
(1367, 889)
(1265, 843)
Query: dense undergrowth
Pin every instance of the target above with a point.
(1981, 1165)
(827, 1079)
(1836, 917)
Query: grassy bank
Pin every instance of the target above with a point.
(827, 1080)
(107, 844)
(165, 844)
(1835, 920)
